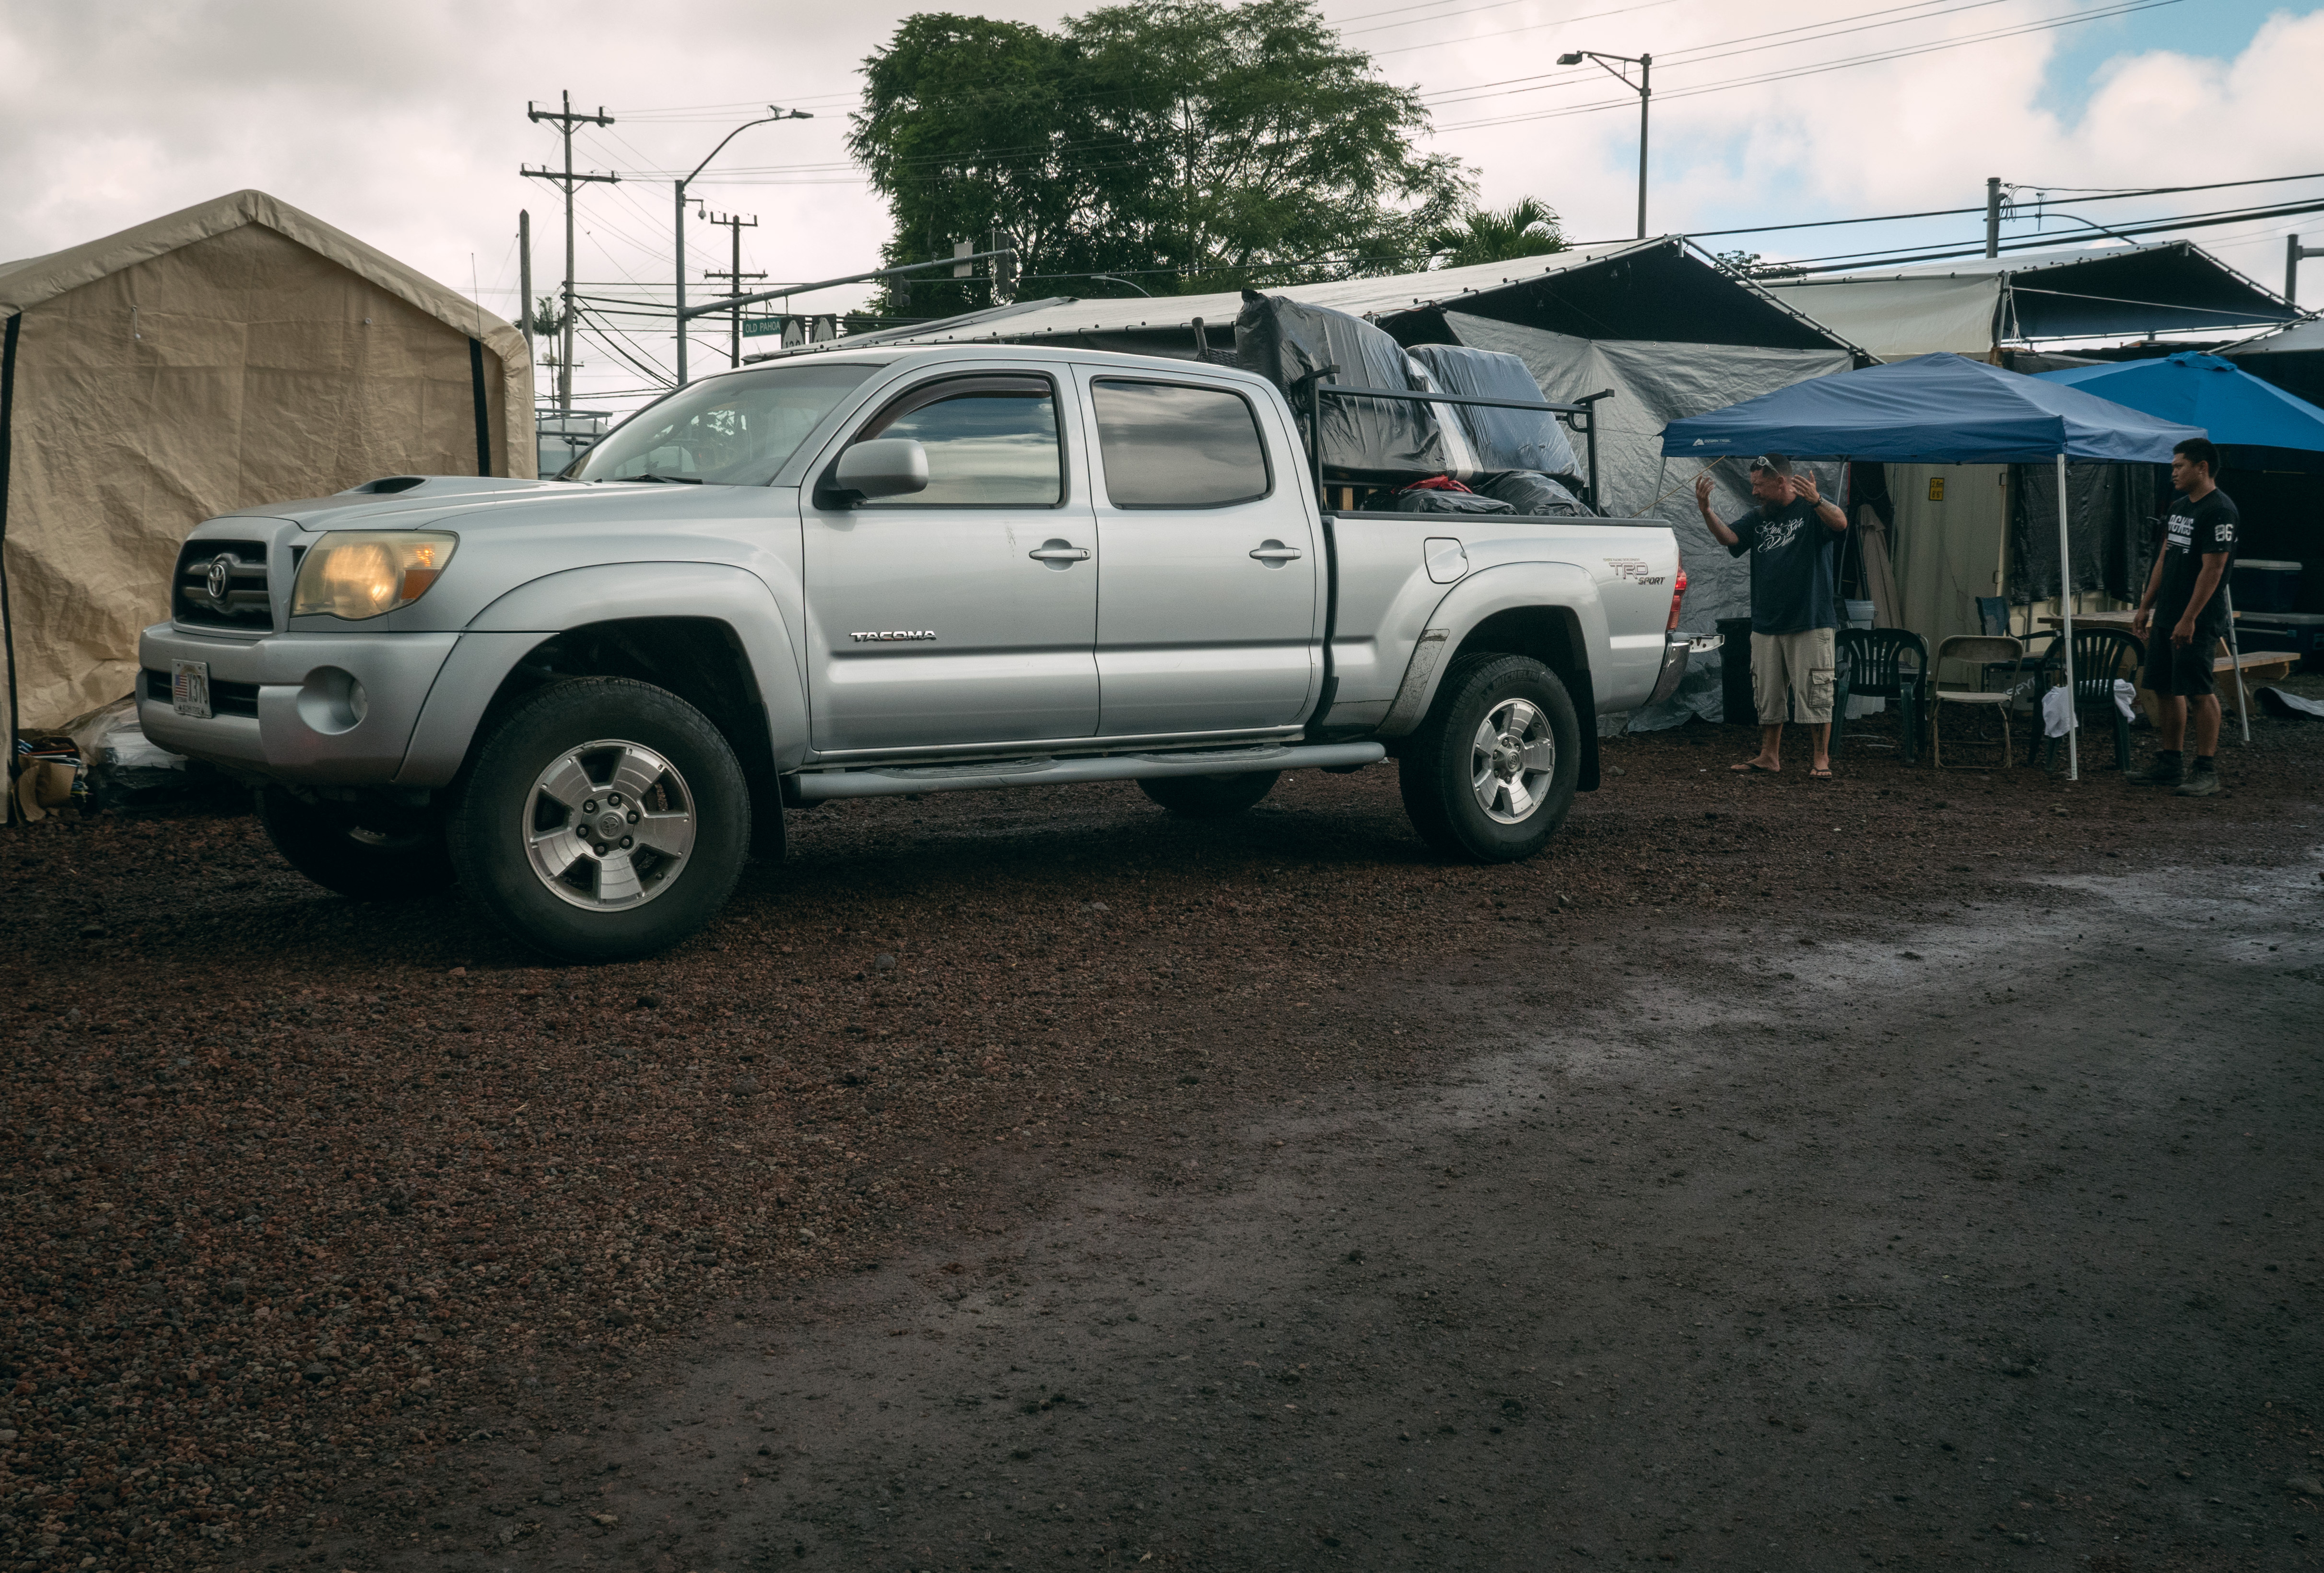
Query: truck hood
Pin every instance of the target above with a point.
(418, 501)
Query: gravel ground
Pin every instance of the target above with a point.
(299, 1192)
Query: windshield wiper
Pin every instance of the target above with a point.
(665, 480)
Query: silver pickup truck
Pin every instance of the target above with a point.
(588, 701)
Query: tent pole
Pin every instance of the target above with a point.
(2066, 622)
(2235, 654)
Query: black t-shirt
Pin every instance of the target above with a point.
(1792, 553)
(2190, 533)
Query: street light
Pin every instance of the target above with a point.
(1645, 64)
(779, 113)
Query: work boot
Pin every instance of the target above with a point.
(2169, 769)
(2202, 781)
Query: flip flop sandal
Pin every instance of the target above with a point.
(1749, 764)
(1819, 775)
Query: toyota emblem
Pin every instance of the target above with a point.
(221, 576)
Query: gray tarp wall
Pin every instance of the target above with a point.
(1656, 384)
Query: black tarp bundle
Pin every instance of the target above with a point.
(1427, 501)
(2111, 520)
(1504, 440)
(1530, 492)
(1363, 439)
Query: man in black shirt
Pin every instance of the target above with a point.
(2189, 616)
(1792, 537)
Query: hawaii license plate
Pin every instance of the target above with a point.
(190, 688)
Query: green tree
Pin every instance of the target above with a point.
(1188, 144)
(1527, 227)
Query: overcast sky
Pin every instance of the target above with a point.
(405, 124)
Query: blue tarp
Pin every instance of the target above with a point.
(1929, 410)
(2241, 412)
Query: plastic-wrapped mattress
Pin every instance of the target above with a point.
(1502, 440)
(1529, 493)
(1363, 439)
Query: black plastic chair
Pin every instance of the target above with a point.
(1882, 663)
(2101, 654)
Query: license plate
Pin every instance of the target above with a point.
(190, 688)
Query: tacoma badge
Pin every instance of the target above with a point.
(896, 633)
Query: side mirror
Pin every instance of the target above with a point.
(886, 466)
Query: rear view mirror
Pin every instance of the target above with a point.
(886, 466)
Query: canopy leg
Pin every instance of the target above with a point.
(2066, 622)
(2235, 654)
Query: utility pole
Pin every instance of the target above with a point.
(1993, 216)
(1644, 88)
(735, 276)
(524, 277)
(570, 183)
(774, 112)
(2292, 252)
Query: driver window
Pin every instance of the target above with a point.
(988, 445)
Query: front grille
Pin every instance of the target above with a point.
(225, 698)
(246, 607)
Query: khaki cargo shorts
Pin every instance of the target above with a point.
(1794, 664)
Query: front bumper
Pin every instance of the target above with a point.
(1676, 649)
(329, 709)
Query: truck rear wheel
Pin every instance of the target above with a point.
(371, 852)
(1210, 796)
(1490, 774)
(604, 820)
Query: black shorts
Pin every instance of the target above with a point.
(2183, 670)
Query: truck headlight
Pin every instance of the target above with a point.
(362, 573)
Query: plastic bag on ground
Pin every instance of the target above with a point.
(1504, 440)
(125, 767)
(1363, 439)
(1528, 493)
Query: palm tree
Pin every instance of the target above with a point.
(1527, 227)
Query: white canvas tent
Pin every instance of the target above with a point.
(235, 353)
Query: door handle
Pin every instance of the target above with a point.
(1059, 552)
(1274, 553)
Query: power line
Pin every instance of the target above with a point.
(2051, 25)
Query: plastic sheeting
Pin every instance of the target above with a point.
(1363, 439)
(1503, 439)
(2110, 513)
(1531, 493)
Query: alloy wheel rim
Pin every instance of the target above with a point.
(608, 826)
(1511, 760)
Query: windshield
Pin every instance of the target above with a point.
(728, 431)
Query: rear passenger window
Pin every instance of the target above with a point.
(1168, 446)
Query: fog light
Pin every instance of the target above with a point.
(332, 701)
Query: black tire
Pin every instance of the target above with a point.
(607, 904)
(1438, 766)
(1210, 796)
(371, 852)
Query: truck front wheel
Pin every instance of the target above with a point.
(604, 820)
(1490, 774)
(1210, 796)
(371, 851)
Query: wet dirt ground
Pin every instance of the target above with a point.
(1774, 1174)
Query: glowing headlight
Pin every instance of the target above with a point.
(360, 574)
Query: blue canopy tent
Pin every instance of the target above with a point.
(1938, 409)
(2259, 425)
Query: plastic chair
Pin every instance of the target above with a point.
(1884, 663)
(2101, 654)
(1982, 651)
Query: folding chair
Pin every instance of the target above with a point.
(1983, 651)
